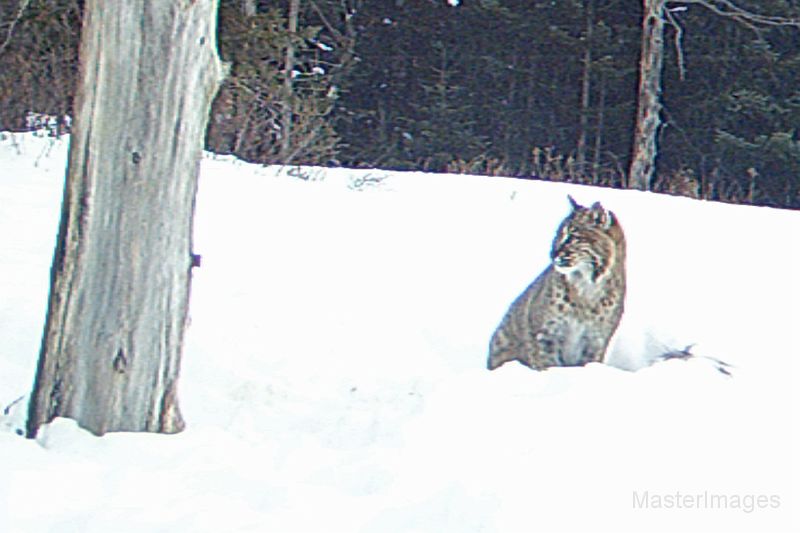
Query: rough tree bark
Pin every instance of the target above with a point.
(121, 273)
(648, 112)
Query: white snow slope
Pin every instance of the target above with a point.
(334, 371)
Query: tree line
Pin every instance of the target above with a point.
(521, 88)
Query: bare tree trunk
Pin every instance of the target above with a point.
(121, 273)
(586, 87)
(649, 105)
(598, 133)
(288, 84)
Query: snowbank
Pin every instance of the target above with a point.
(333, 377)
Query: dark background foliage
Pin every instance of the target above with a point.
(526, 88)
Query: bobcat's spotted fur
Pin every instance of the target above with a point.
(567, 316)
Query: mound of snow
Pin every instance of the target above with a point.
(334, 370)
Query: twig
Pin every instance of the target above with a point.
(23, 4)
(678, 43)
(752, 20)
(685, 354)
(7, 410)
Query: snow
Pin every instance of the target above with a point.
(334, 371)
(322, 46)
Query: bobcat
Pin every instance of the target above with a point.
(567, 316)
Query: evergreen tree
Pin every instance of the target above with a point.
(736, 127)
(514, 86)
(276, 105)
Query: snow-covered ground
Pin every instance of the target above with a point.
(334, 372)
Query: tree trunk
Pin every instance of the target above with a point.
(598, 134)
(649, 105)
(121, 273)
(586, 87)
(288, 85)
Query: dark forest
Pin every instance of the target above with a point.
(532, 89)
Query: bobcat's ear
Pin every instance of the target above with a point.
(602, 216)
(575, 205)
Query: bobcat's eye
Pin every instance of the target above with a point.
(564, 236)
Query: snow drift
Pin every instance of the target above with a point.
(334, 370)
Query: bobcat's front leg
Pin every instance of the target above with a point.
(548, 346)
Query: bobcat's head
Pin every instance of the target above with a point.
(588, 243)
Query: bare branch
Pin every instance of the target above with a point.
(336, 33)
(23, 4)
(726, 8)
(678, 43)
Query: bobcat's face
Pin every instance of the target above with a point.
(585, 245)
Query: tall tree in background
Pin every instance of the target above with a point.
(586, 84)
(539, 88)
(648, 103)
(287, 103)
(287, 61)
(121, 273)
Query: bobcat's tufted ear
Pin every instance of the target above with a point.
(602, 216)
(575, 205)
